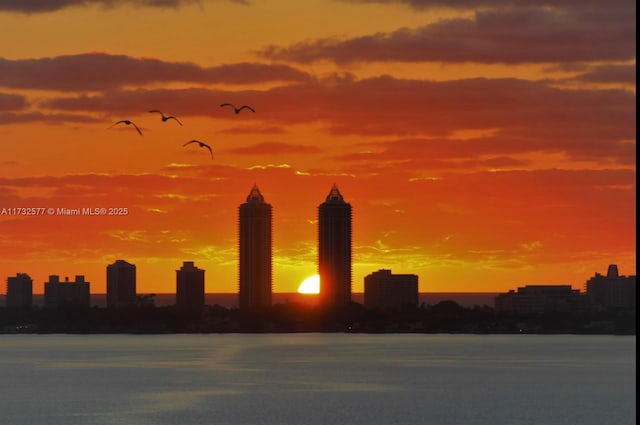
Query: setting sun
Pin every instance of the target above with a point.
(310, 285)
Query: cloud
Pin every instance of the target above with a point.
(252, 130)
(511, 116)
(511, 35)
(102, 71)
(625, 74)
(39, 6)
(273, 148)
(523, 116)
(470, 4)
(502, 151)
(268, 166)
(12, 102)
(54, 118)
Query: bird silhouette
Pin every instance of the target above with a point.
(128, 122)
(164, 117)
(201, 144)
(237, 110)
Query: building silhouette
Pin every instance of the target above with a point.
(19, 291)
(612, 291)
(255, 251)
(66, 294)
(121, 284)
(334, 250)
(384, 290)
(542, 299)
(190, 287)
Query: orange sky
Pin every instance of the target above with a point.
(483, 146)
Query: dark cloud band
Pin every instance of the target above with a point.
(512, 35)
(102, 71)
(39, 6)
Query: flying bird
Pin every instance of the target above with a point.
(201, 144)
(237, 110)
(165, 118)
(127, 122)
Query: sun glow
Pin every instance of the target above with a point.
(310, 285)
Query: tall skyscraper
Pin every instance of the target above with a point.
(190, 287)
(19, 291)
(334, 250)
(255, 269)
(121, 284)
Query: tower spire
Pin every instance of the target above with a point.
(334, 195)
(255, 196)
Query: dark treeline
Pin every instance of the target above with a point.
(443, 317)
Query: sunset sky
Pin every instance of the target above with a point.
(483, 145)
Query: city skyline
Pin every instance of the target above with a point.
(480, 145)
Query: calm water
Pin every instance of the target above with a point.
(317, 379)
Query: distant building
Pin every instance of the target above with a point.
(393, 292)
(19, 291)
(121, 284)
(190, 287)
(542, 299)
(612, 291)
(255, 252)
(334, 250)
(66, 294)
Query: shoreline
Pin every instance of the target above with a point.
(229, 299)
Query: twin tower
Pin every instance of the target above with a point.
(255, 251)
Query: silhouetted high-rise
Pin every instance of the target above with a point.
(334, 250)
(121, 284)
(255, 268)
(66, 294)
(19, 291)
(190, 287)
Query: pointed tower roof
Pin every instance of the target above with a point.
(334, 195)
(255, 197)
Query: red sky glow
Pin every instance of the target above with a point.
(483, 145)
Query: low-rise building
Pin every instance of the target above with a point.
(66, 294)
(392, 292)
(542, 299)
(612, 291)
(190, 287)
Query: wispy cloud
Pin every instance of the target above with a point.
(252, 130)
(273, 148)
(50, 118)
(502, 151)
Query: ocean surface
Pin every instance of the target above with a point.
(324, 379)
